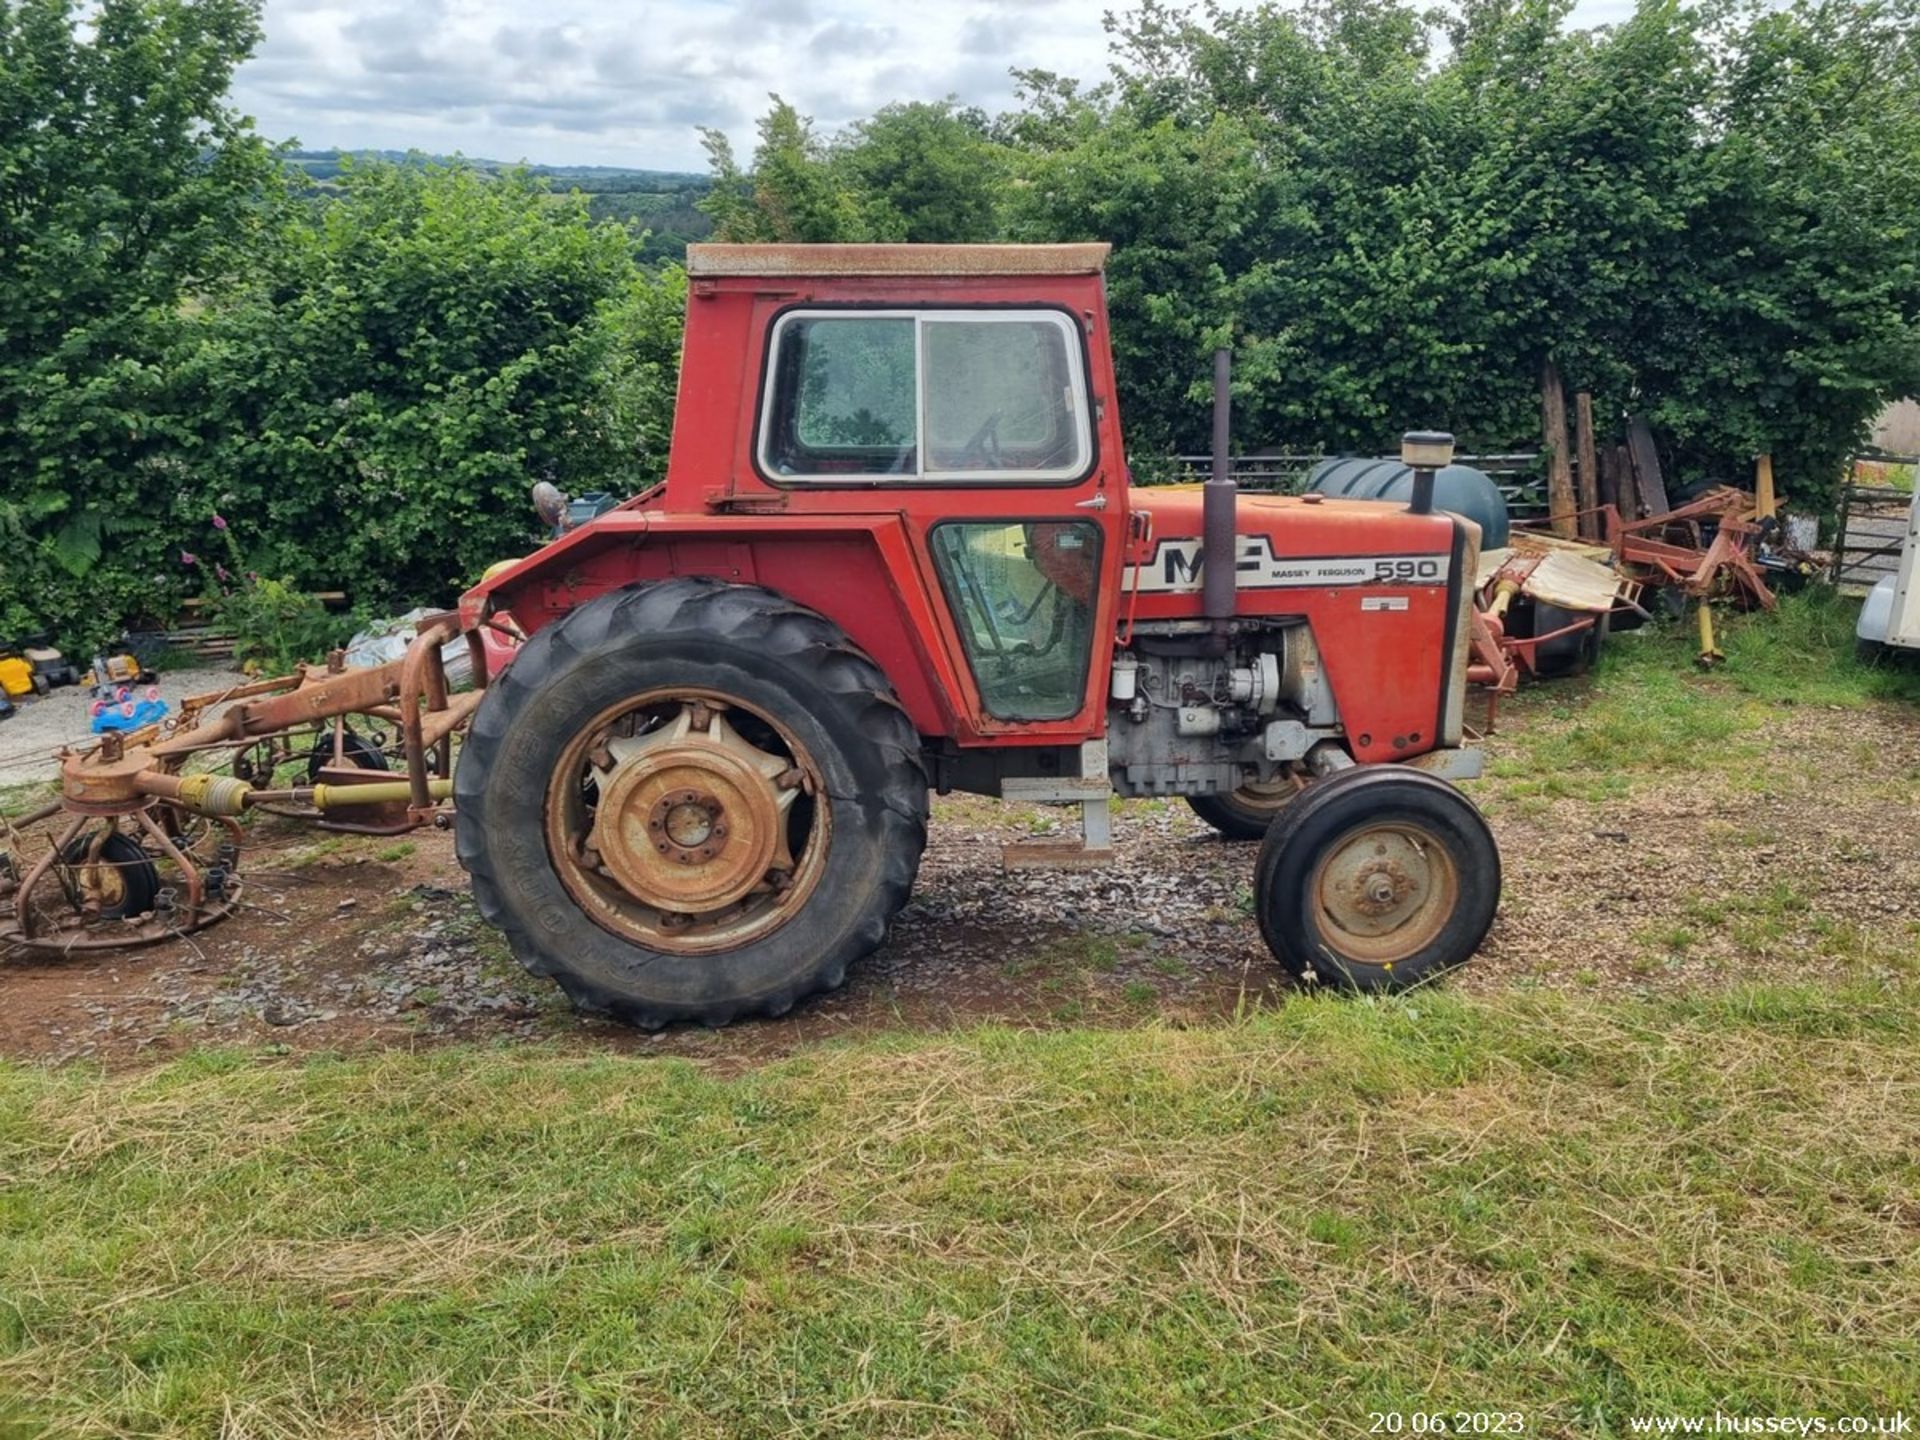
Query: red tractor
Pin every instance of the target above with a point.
(897, 551)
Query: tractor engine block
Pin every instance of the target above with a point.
(1182, 722)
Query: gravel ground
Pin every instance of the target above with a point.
(1802, 866)
(39, 727)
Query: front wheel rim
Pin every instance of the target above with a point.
(1384, 892)
(687, 821)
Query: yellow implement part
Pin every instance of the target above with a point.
(1709, 652)
(380, 792)
(1503, 594)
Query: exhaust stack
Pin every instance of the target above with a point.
(1218, 577)
(1425, 452)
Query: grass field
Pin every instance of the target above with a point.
(1573, 1207)
(1573, 1210)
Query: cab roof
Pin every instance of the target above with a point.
(953, 260)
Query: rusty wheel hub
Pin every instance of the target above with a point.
(691, 818)
(690, 837)
(1268, 794)
(1386, 892)
(99, 883)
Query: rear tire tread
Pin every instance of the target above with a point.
(770, 625)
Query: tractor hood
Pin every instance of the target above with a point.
(1289, 543)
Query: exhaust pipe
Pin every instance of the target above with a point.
(1218, 572)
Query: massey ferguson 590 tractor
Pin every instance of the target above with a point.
(896, 550)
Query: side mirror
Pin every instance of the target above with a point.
(550, 504)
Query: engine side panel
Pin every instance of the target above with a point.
(1380, 587)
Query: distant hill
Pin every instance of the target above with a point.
(659, 202)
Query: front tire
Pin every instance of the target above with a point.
(1377, 879)
(691, 800)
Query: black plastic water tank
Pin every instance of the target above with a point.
(1458, 488)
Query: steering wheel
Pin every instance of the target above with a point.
(985, 444)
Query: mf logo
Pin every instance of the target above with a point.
(1176, 566)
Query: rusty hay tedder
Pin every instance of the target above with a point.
(897, 551)
(146, 842)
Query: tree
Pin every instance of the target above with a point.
(925, 172)
(1792, 313)
(128, 188)
(372, 409)
(1703, 213)
(795, 194)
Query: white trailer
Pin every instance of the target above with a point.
(1891, 616)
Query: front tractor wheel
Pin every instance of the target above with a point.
(1376, 879)
(691, 801)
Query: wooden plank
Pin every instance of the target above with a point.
(1616, 480)
(1553, 431)
(1647, 478)
(1589, 465)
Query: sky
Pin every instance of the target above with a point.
(614, 82)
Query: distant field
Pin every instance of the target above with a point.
(660, 202)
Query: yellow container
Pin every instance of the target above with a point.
(16, 676)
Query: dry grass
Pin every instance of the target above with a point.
(1270, 1228)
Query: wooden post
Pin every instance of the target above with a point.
(1589, 465)
(1553, 428)
(1616, 482)
(1765, 507)
(1647, 479)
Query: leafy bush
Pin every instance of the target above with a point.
(1704, 214)
(367, 387)
(127, 186)
(275, 624)
(371, 410)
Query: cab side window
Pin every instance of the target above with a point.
(850, 398)
(934, 395)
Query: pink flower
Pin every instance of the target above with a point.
(188, 558)
(221, 571)
(219, 522)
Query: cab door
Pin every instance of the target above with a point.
(986, 414)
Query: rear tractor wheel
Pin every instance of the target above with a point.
(691, 801)
(1376, 879)
(1246, 813)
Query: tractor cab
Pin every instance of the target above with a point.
(897, 548)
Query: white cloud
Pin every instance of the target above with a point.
(604, 82)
